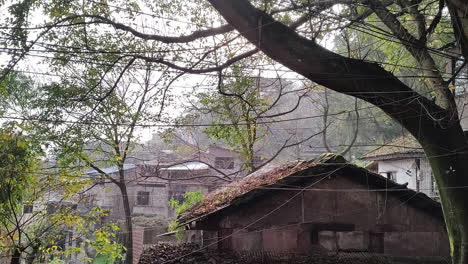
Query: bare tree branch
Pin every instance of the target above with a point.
(165, 39)
(203, 70)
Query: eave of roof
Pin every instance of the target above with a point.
(113, 169)
(403, 146)
(395, 156)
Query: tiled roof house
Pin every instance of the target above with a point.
(324, 204)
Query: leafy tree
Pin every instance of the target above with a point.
(18, 159)
(237, 111)
(32, 236)
(190, 199)
(28, 182)
(102, 132)
(107, 251)
(238, 103)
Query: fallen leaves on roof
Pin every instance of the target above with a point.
(261, 178)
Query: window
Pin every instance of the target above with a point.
(176, 175)
(154, 185)
(62, 241)
(105, 217)
(224, 163)
(52, 208)
(100, 180)
(434, 190)
(391, 175)
(70, 238)
(143, 198)
(177, 192)
(28, 208)
(460, 83)
(376, 242)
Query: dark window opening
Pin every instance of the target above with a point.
(143, 198)
(28, 208)
(62, 241)
(100, 180)
(391, 175)
(70, 238)
(226, 163)
(105, 217)
(418, 164)
(52, 208)
(154, 185)
(434, 190)
(376, 242)
(177, 193)
(334, 226)
(314, 238)
(177, 175)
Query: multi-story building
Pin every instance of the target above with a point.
(151, 184)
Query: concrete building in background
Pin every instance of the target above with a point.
(403, 159)
(152, 184)
(404, 162)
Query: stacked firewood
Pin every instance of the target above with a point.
(193, 254)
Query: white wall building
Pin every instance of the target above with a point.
(404, 162)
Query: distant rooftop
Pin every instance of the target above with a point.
(190, 165)
(404, 146)
(113, 169)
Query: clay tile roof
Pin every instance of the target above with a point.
(250, 187)
(266, 176)
(403, 145)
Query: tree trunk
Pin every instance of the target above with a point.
(128, 224)
(32, 256)
(448, 156)
(16, 257)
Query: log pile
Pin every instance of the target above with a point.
(192, 254)
(184, 253)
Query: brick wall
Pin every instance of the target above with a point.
(138, 233)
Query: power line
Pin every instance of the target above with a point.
(344, 76)
(184, 125)
(386, 33)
